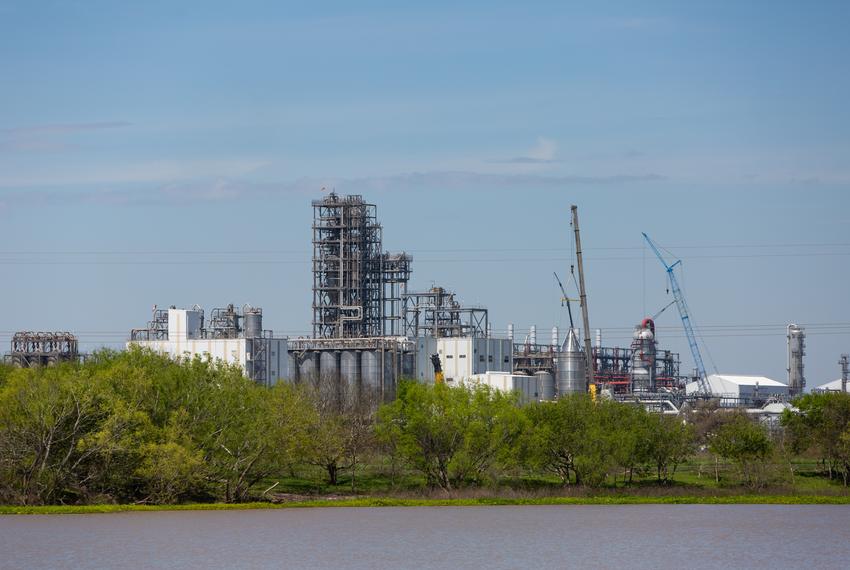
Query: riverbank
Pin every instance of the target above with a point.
(390, 502)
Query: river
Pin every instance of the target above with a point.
(628, 536)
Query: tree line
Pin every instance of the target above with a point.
(137, 427)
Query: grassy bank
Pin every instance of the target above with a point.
(390, 502)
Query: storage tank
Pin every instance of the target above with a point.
(408, 365)
(370, 370)
(308, 369)
(545, 385)
(556, 337)
(292, 362)
(571, 367)
(532, 334)
(390, 364)
(349, 367)
(252, 320)
(643, 357)
(329, 366)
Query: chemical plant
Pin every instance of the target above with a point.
(369, 332)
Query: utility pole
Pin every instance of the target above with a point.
(844, 371)
(588, 355)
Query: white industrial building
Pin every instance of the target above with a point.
(834, 386)
(528, 387)
(463, 357)
(734, 389)
(184, 333)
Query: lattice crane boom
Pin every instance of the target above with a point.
(684, 314)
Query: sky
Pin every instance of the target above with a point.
(167, 153)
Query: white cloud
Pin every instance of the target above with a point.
(543, 152)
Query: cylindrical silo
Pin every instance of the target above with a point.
(349, 368)
(292, 366)
(511, 331)
(532, 334)
(571, 368)
(308, 369)
(390, 366)
(370, 370)
(252, 319)
(329, 366)
(545, 385)
(556, 337)
(408, 365)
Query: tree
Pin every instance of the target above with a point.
(819, 424)
(342, 426)
(44, 415)
(744, 442)
(565, 438)
(670, 441)
(450, 433)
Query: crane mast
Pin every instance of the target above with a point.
(588, 355)
(684, 314)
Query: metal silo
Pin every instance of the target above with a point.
(308, 369)
(571, 367)
(408, 365)
(556, 337)
(370, 370)
(329, 365)
(545, 385)
(532, 334)
(252, 320)
(293, 366)
(349, 366)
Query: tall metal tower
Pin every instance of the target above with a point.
(845, 370)
(357, 288)
(796, 351)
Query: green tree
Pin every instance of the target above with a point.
(669, 442)
(44, 415)
(819, 425)
(450, 433)
(567, 438)
(744, 442)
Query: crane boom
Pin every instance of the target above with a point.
(565, 299)
(684, 314)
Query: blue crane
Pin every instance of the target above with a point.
(702, 380)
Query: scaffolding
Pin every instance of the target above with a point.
(437, 313)
(43, 348)
(357, 288)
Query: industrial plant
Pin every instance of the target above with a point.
(370, 331)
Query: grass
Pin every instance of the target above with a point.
(459, 502)
(694, 484)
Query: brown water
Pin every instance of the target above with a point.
(629, 536)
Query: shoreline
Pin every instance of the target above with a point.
(390, 502)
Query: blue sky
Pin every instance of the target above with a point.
(167, 154)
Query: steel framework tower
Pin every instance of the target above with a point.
(357, 288)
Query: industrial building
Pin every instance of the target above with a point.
(357, 287)
(639, 368)
(369, 331)
(733, 390)
(230, 334)
(838, 385)
(42, 348)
